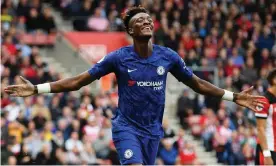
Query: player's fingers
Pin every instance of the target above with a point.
(257, 104)
(253, 109)
(23, 80)
(9, 91)
(259, 101)
(12, 87)
(249, 90)
(12, 92)
(257, 97)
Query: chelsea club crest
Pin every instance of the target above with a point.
(160, 70)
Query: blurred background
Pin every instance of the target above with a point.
(230, 43)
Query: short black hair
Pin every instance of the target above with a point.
(271, 75)
(126, 17)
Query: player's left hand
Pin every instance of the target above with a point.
(22, 90)
(246, 99)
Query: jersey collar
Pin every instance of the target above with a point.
(151, 58)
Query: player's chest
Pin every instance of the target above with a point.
(139, 70)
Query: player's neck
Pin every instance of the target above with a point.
(272, 90)
(143, 48)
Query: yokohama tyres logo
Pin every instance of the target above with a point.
(157, 85)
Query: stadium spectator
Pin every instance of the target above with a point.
(88, 155)
(168, 152)
(9, 45)
(209, 129)
(221, 138)
(12, 160)
(236, 58)
(249, 72)
(22, 8)
(239, 118)
(25, 49)
(24, 157)
(80, 22)
(47, 21)
(187, 154)
(92, 129)
(184, 103)
(60, 158)
(236, 157)
(44, 157)
(98, 22)
(12, 110)
(73, 156)
(168, 131)
(33, 22)
(115, 24)
(55, 109)
(73, 143)
(101, 145)
(58, 139)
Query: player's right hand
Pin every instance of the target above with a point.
(21, 90)
(268, 161)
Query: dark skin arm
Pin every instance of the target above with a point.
(63, 85)
(72, 83)
(243, 98)
(203, 87)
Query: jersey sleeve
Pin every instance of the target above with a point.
(104, 66)
(262, 109)
(179, 69)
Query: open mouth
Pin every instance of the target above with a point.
(149, 28)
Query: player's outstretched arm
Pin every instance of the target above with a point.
(69, 84)
(244, 98)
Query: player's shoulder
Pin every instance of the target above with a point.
(164, 50)
(119, 53)
(125, 48)
(123, 51)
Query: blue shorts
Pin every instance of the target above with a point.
(135, 149)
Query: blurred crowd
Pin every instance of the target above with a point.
(238, 37)
(25, 16)
(235, 36)
(230, 130)
(47, 129)
(59, 129)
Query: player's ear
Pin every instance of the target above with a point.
(274, 81)
(130, 31)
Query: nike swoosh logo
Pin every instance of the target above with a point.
(128, 70)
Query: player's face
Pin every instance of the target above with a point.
(141, 25)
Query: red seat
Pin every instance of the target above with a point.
(38, 39)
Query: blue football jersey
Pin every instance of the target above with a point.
(141, 86)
